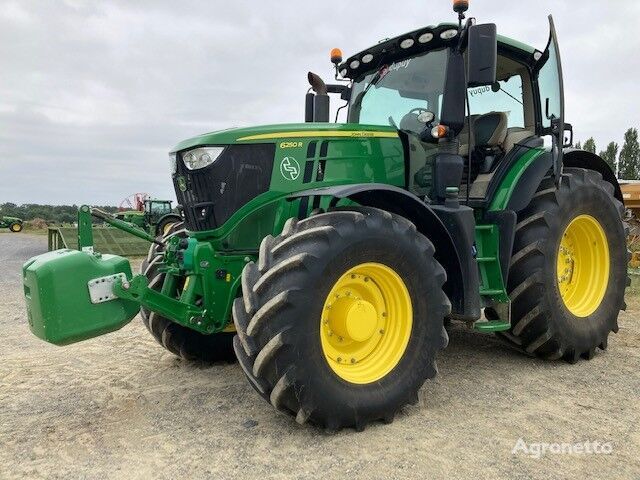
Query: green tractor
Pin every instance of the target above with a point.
(14, 224)
(151, 215)
(340, 250)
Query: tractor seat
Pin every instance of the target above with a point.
(515, 135)
(490, 130)
(488, 135)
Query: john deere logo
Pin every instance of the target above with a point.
(290, 168)
(182, 183)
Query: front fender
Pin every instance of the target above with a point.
(453, 254)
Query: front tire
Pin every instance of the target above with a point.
(341, 318)
(568, 272)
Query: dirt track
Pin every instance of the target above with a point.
(121, 407)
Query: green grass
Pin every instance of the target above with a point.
(634, 289)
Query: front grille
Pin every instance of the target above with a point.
(214, 193)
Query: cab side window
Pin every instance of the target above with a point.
(507, 99)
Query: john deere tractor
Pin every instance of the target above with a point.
(14, 224)
(341, 249)
(153, 216)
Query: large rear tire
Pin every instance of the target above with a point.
(341, 318)
(568, 272)
(15, 227)
(181, 341)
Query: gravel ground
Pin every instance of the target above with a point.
(119, 406)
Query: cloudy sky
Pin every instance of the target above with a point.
(93, 94)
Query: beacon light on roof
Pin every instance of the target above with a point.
(336, 56)
(460, 6)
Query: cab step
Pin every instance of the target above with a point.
(491, 326)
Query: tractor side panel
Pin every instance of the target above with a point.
(315, 162)
(304, 164)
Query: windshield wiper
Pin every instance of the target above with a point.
(500, 89)
(378, 76)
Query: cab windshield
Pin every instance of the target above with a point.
(395, 93)
(160, 207)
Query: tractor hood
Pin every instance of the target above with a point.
(275, 133)
(11, 219)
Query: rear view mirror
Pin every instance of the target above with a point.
(482, 55)
(568, 135)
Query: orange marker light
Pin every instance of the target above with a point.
(460, 6)
(336, 56)
(439, 131)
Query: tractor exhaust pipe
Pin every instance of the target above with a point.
(317, 105)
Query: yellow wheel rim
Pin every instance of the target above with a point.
(366, 323)
(230, 328)
(15, 228)
(166, 228)
(583, 266)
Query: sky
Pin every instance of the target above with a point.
(94, 94)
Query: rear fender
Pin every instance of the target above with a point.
(580, 159)
(528, 182)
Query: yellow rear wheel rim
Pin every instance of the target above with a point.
(366, 323)
(583, 266)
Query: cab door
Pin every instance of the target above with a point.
(551, 94)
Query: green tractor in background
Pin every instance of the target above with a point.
(151, 215)
(340, 250)
(14, 224)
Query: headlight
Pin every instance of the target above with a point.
(173, 168)
(201, 157)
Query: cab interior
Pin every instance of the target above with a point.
(501, 117)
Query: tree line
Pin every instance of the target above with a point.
(53, 214)
(625, 161)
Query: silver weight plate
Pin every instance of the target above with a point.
(101, 289)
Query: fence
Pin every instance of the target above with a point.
(105, 240)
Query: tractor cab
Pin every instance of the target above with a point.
(155, 209)
(415, 83)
